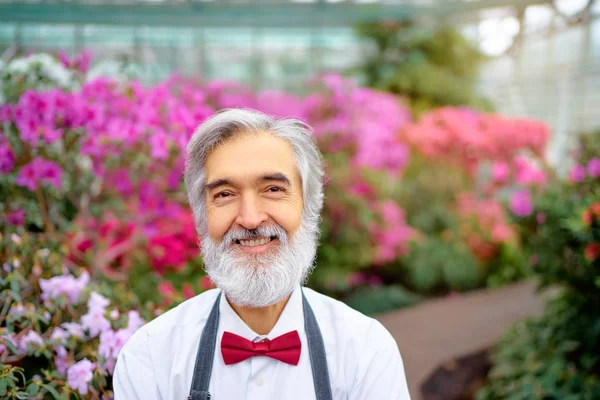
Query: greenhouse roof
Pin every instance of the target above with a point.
(198, 13)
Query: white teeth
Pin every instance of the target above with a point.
(252, 243)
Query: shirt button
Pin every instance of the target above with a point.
(259, 381)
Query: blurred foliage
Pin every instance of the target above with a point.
(554, 357)
(557, 356)
(377, 300)
(435, 265)
(431, 68)
(511, 264)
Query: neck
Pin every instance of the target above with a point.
(260, 320)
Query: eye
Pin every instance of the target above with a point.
(222, 195)
(274, 189)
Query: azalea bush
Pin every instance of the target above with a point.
(60, 334)
(466, 167)
(556, 356)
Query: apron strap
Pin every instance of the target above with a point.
(208, 343)
(316, 351)
(205, 355)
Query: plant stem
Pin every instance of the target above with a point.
(47, 223)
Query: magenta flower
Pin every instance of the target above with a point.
(577, 173)
(5, 112)
(29, 176)
(51, 173)
(15, 217)
(521, 204)
(540, 218)
(39, 170)
(7, 158)
(79, 375)
(593, 167)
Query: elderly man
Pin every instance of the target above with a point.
(255, 185)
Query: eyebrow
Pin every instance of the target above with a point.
(277, 176)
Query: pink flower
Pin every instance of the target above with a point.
(593, 167)
(79, 375)
(500, 172)
(95, 322)
(528, 173)
(521, 204)
(577, 173)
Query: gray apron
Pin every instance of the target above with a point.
(208, 343)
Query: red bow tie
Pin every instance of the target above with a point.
(284, 348)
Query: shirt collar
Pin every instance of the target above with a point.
(291, 318)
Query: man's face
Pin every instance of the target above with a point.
(252, 180)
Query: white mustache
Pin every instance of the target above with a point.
(238, 233)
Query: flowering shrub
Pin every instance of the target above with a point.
(60, 333)
(99, 161)
(556, 356)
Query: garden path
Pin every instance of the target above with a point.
(438, 330)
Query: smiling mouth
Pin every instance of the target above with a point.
(255, 242)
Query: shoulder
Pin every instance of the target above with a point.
(190, 313)
(346, 322)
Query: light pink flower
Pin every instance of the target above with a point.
(32, 338)
(97, 302)
(73, 329)
(64, 285)
(80, 374)
(95, 322)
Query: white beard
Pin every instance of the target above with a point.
(260, 280)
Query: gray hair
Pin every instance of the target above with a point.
(231, 122)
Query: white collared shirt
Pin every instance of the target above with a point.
(362, 357)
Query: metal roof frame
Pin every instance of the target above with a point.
(202, 14)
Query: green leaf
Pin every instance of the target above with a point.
(33, 389)
(3, 387)
(11, 346)
(52, 391)
(16, 290)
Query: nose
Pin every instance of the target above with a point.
(250, 215)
